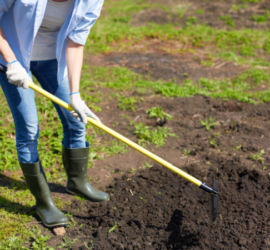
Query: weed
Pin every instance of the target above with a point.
(127, 103)
(40, 240)
(209, 123)
(157, 136)
(182, 8)
(239, 7)
(266, 46)
(258, 156)
(113, 228)
(132, 170)
(259, 18)
(13, 242)
(77, 197)
(66, 243)
(199, 11)
(228, 55)
(186, 152)
(228, 20)
(92, 245)
(238, 147)
(158, 112)
(72, 222)
(147, 165)
(213, 143)
(115, 147)
(191, 20)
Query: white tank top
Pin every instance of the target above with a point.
(44, 47)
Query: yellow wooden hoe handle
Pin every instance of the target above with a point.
(118, 136)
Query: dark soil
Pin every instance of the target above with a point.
(207, 12)
(167, 66)
(156, 209)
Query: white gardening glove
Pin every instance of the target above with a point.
(81, 111)
(17, 75)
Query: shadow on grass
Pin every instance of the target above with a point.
(6, 181)
(15, 207)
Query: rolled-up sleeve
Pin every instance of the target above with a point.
(80, 33)
(5, 6)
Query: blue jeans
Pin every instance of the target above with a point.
(22, 104)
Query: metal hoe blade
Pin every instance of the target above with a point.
(214, 202)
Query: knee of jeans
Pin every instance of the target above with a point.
(27, 134)
(78, 130)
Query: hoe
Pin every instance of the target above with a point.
(213, 191)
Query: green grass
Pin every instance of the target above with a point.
(106, 33)
(240, 88)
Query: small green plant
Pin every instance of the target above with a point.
(259, 18)
(147, 165)
(121, 19)
(72, 222)
(209, 123)
(266, 46)
(238, 147)
(157, 136)
(92, 245)
(186, 152)
(239, 7)
(113, 228)
(228, 20)
(40, 240)
(213, 143)
(199, 11)
(127, 103)
(182, 8)
(132, 170)
(115, 147)
(258, 156)
(77, 197)
(191, 20)
(158, 112)
(67, 244)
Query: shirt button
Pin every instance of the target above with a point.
(25, 5)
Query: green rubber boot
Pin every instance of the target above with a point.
(37, 183)
(75, 163)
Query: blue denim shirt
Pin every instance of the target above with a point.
(21, 19)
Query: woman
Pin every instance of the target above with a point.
(46, 38)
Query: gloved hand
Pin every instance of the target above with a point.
(17, 75)
(80, 111)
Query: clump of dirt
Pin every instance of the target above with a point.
(157, 209)
(217, 14)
